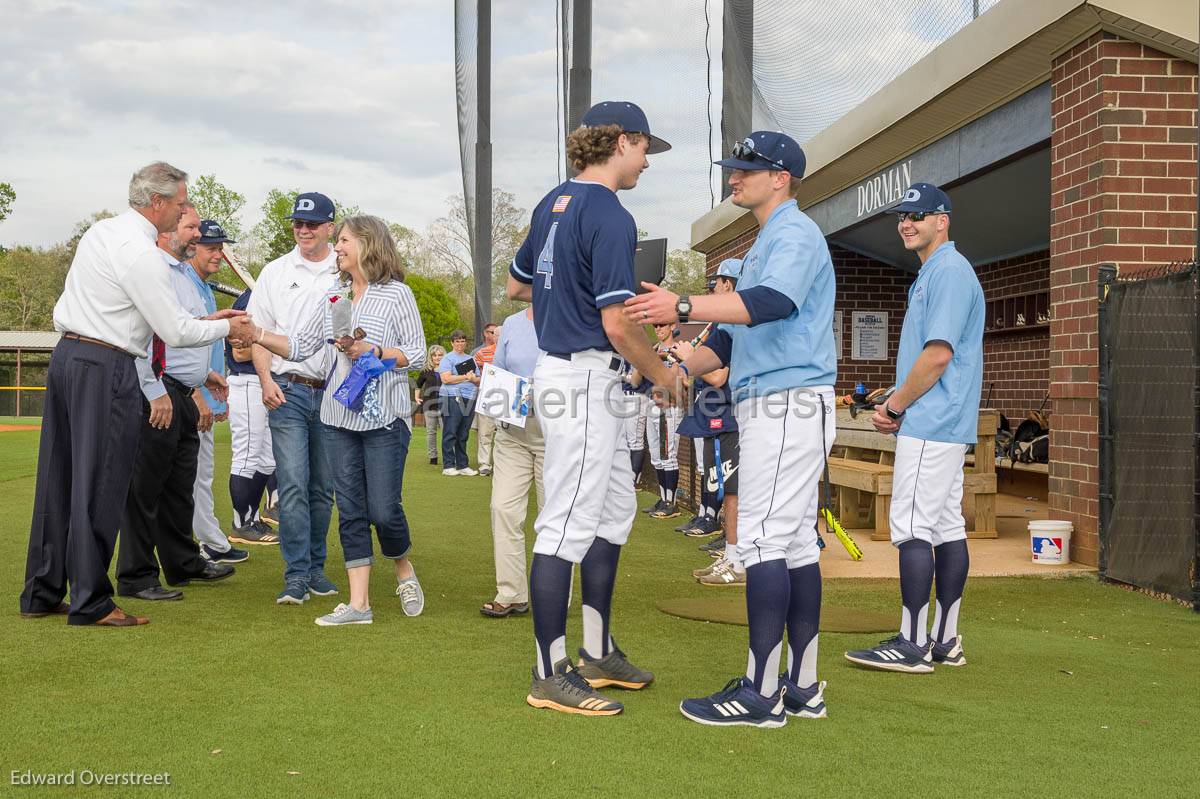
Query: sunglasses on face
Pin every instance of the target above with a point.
(915, 216)
(300, 224)
(744, 150)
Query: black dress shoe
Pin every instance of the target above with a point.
(154, 593)
(211, 573)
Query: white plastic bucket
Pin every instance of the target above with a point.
(1050, 541)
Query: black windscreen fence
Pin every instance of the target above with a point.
(1149, 406)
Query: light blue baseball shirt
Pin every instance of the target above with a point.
(944, 304)
(790, 256)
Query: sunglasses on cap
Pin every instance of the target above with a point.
(744, 151)
(916, 216)
(298, 224)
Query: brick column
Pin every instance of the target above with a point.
(1123, 190)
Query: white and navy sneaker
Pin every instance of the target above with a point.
(806, 703)
(894, 654)
(737, 704)
(949, 654)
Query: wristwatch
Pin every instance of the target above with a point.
(683, 307)
(893, 415)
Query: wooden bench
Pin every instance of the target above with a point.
(861, 469)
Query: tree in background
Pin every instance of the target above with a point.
(31, 279)
(685, 272)
(439, 312)
(7, 197)
(216, 201)
(447, 253)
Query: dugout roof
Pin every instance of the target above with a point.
(972, 116)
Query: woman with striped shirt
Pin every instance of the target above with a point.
(367, 449)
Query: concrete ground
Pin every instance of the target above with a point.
(1005, 556)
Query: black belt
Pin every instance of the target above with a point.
(615, 364)
(182, 388)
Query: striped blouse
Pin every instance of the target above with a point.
(387, 313)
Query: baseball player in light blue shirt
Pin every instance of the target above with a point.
(934, 414)
(776, 336)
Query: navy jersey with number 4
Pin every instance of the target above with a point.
(578, 257)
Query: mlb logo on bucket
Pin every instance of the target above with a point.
(1047, 547)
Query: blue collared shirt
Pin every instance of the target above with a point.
(790, 256)
(465, 388)
(945, 303)
(188, 365)
(217, 362)
(517, 351)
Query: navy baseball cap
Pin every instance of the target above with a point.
(765, 149)
(313, 206)
(923, 198)
(631, 119)
(212, 233)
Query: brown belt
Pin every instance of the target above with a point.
(304, 381)
(90, 340)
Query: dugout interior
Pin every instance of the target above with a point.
(1065, 134)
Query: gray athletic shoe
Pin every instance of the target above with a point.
(567, 692)
(412, 598)
(256, 532)
(346, 614)
(612, 669)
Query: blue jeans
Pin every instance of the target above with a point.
(305, 484)
(456, 426)
(368, 476)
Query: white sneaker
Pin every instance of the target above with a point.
(346, 614)
(450, 472)
(724, 574)
(468, 472)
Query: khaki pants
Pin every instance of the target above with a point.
(517, 462)
(486, 431)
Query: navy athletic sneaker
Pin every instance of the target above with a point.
(894, 654)
(807, 703)
(949, 654)
(688, 525)
(737, 704)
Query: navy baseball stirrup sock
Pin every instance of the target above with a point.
(916, 580)
(803, 622)
(243, 497)
(549, 590)
(767, 594)
(598, 575)
(950, 562)
(662, 484)
(637, 460)
(272, 488)
(671, 482)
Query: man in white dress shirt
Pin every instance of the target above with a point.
(285, 296)
(161, 503)
(117, 294)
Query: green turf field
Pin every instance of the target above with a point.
(1072, 689)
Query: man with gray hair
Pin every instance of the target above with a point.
(117, 295)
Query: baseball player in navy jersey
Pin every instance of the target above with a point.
(934, 415)
(662, 435)
(776, 336)
(252, 463)
(576, 265)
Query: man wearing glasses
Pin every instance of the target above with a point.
(281, 301)
(934, 415)
(776, 337)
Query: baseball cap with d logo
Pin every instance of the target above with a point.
(924, 198)
(313, 207)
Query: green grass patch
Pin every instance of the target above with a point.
(1073, 688)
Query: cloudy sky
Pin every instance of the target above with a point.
(355, 98)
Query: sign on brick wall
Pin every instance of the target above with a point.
(869, 336)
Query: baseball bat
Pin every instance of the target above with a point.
(699, 339)
(224, 288)
(238, 270)
(832, 523)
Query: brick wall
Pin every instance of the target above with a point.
(1017, 363)
(1123, 190)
